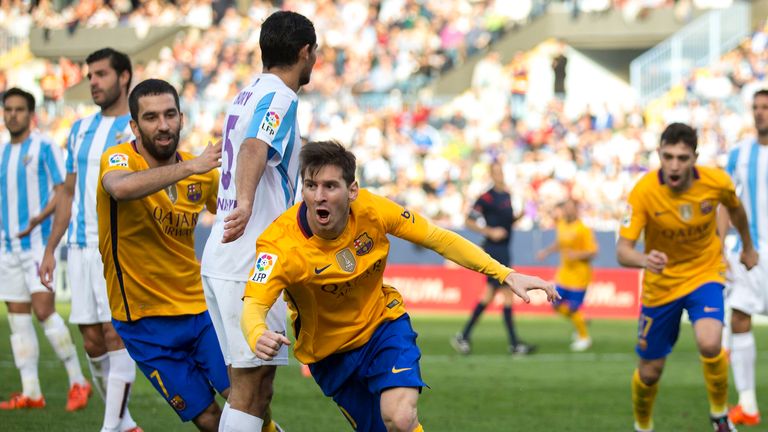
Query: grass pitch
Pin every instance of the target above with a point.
(553, 390)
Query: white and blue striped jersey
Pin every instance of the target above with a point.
(28, 173)
(265, 110)
(748, 167)
(88, 139)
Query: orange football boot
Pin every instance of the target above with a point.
(19, 401)
(78, 396)
(738, 416)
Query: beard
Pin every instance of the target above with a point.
(111, 95)
(304, 77)
(17, 132)
(157, 152)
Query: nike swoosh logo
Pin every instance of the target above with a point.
(397, 371)
(659, 213)
(321, 269)
(708, 309)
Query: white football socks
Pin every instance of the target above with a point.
(26, 353)
(743, 354)
(61, 341)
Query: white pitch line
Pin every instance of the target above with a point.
(588, 357)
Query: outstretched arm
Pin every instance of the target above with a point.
(465, 253)
(132, 185)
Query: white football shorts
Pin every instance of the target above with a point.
(225, 305)
(748, 290)
(85, 276)
(20, 274)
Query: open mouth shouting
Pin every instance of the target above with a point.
(323, 216)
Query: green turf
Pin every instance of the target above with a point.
(553, 390)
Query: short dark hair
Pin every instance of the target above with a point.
(120, 62)
(150, 87)
(761, 92)
(283, 35)
(680, 132)
(15, 91)
(317, 154)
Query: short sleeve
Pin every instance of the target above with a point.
(71, 163)
(634, 219)
(273, 122)
(116, 159)
(728, 195)
(53, 161)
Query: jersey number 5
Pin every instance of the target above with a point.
(229, 153)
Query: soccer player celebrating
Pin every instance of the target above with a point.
(328, 255)
(149, 196)
(577, 246)
(31, 171)
(748, 166)
(260, 168)
(112, 369)
(684, 267)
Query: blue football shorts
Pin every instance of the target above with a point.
(659, 327)
(180, 356)
(355, 379)
(571, 297)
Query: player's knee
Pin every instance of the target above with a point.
(401, 419)
(208, 420)
(740, 322)
(43, 312)
(710, 348)
(650, 374)
(93, 342)
(112, 340)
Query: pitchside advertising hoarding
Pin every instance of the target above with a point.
(613, 293)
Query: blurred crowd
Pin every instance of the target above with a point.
(431, 155)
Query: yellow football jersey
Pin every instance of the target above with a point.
(334, 288)
(147, 245)
(682, 226)
(576, 237)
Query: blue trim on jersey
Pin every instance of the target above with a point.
(50, 167)
(754, 154)
(290, 123)
(730, 167)
(82, 174)
(733, 158)
(258, 115)
(46, 151)
(4, 191)
(70, 163)
(21, 179)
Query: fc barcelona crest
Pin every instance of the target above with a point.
(346, 260)
(363, 244)
(706, 207)
(178, 403)
(686, 212)
(195, 192)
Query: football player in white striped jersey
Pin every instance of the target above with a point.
(259, 175)
(31, 172)
(113, 370)
(748, 291)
